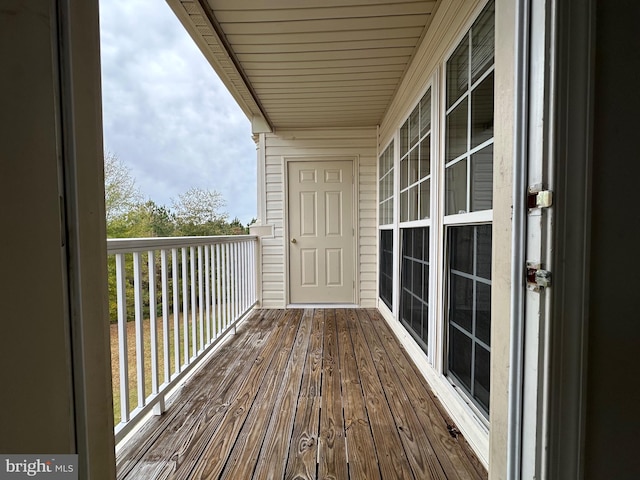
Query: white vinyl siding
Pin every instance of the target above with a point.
(357, 144)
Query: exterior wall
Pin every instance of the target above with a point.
(452, 19)
(359, 144)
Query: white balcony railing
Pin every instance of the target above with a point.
(186, 293)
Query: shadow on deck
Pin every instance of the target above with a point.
(303, 394)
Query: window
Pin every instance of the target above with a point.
(469, 284)
(385, 186)
(469, 121)
(386, 267)
(415, 162)
(468, 162)
(414, 306)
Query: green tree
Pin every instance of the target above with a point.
(143, 220)
(120, 190)
(197, 212)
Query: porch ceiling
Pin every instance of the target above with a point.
(313, 63)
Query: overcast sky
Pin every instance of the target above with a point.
(166, 114)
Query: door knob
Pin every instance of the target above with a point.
(293, 240)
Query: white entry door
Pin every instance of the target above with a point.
(321, 232)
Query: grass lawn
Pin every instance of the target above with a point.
(131, 348)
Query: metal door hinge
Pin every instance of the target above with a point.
(539, 198)
(537, 277)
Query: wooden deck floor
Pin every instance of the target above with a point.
(303, 394)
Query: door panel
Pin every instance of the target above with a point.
(321, 250)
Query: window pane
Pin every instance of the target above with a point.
(418, 239)
(425, 156)
(456, 188)
(482, 179)
(414, 309)
(425, 113)
(483, 265)
(470, 306)
(482, 112)
(461, 249)
(386, 267)
(425, 275)
(482, 376)
(385, 213)
(404, 206)
(416, 316)
(416, 277)
(425, 323)
(483, 312)
(385, 186)
(405, 310)
(425, 199)
(461, 310)
(482, 42)
(404, 172)
(413, 166)
(406, 274)
(456, 143)
(413, 203)
(414, 127)
(404, 138)
(458, 72)
(460, 356)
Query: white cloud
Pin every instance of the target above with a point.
(166, 113)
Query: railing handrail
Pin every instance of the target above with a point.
(128, 245)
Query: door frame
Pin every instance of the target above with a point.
(354, 160)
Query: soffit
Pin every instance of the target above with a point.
(313, 63)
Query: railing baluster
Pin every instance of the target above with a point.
(229, 284)
(207, 281)
(234, 281)
(214, 295)
(185, 306)
(245, 275)
(225, 287)
(123, 351)
(240, 278)
(176, 309)
(223, 290)
(192, 263)
(200, 300)
(137, 289)
(219, 285)
(153, 326)
(164, 271)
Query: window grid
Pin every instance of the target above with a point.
(469, 120)
(470, 309)
(385, 184)
(415, 162)
(386, 268)
(414, 300)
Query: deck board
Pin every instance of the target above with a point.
(303, 394)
